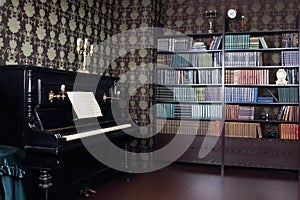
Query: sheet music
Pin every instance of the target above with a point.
(84, 104)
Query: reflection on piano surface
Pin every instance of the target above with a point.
(38, 115)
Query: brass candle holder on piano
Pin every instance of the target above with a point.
(86, 50)
(62, 94)
(105, 97)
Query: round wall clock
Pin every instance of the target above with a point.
(232, 13)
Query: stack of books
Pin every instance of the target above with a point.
(198, 46)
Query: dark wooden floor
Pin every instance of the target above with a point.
(197, 182)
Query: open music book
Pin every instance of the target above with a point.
(84, 104)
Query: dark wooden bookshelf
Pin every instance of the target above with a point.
(265, 152)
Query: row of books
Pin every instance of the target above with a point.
(247, 76)
(199, 46)
(164, 60)
(292, 76)
(290, 58)
(237, 112)
(232, 59)
(188, 94)
(207, 111)
(288, 113)
(185, 127)
(187, 44)
(241, 94)
(214, 128)
(244, 41)
(185, 111)
(253, 130)
(290, 40)
(189, 60)
(205, 76)
(240, 41)
(215, 42)
(289, 131)
(288, 94)
(175, 44)
(247, 94)
(243, 59)
(184, 60)
(256, 42)
(196, 60)
(243, 130)
(232, 94)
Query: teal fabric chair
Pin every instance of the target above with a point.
(11, 173)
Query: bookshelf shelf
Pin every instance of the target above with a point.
(269, 49)
(192, 85)
(189, 52)
(263, 103)
(255, 119)
(260, 67)
(263, 121)
(263, 32)
(198, 35)
(189, 68)
(197, 120)
(261, 85)
(189, 102)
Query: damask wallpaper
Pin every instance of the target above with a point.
(44, 33)
(187, 16)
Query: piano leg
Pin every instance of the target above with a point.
(126, 155)
(45, 182)
(128, 175)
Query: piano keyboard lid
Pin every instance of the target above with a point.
(53, 118)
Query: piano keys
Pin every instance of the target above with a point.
(39, 117)
(95, 132)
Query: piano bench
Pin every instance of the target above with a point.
(11, 173)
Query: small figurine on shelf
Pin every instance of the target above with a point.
(243, 23)
(281, 77)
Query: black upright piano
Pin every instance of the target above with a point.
(38, 116)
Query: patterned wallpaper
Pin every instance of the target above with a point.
(136, 67)
(44, 33)
(187, 16)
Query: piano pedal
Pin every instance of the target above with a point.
(84, 193)
(91, 190)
